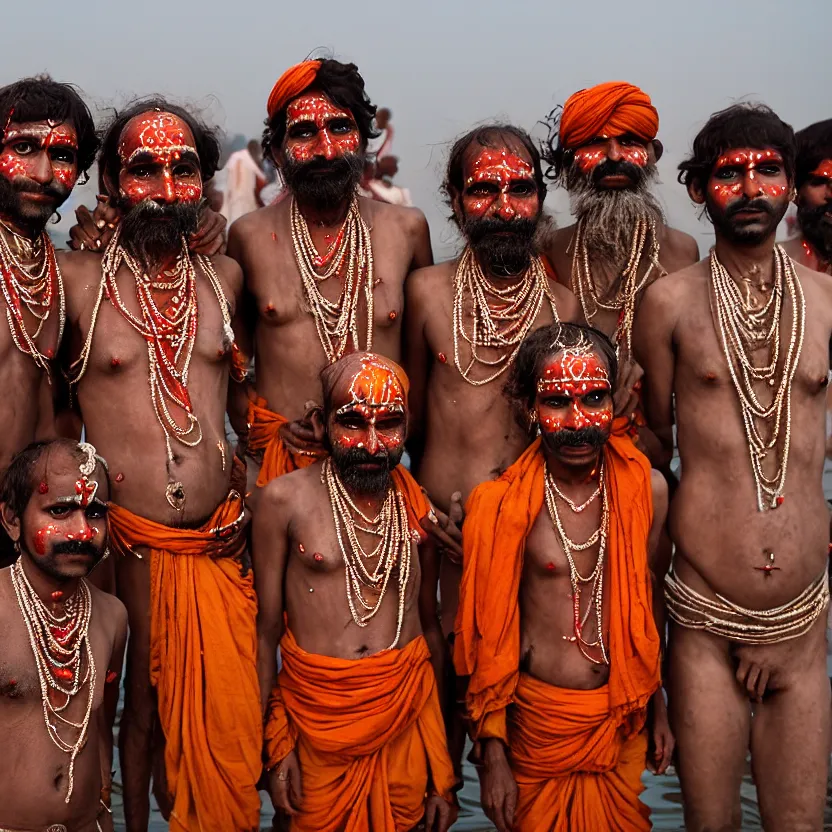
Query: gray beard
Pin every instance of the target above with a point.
(610, 217)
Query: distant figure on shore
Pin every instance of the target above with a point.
(244, 181)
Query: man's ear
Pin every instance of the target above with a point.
(696, 192)
(456, 207)
(655, 151)
(10, 522)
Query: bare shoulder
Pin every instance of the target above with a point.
(287, 495)
(560, 238)
(678, 249)
(229, 271)
(814, 284)
(423, 284)
(79, 268)
(658, 485)
(567, 304)
(111, 611)
(412, 220)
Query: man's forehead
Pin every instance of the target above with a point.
(61, 467)
(61, 131)
(823, 168)
(744, 154)
(372, 383)
(581, 363)
(506, 157)
(155, 131)
(313, 104)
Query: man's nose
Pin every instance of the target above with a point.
(614, 150)
(504, 210)
(325, 147)
(168, 194)
(751, 185)
(40, 170)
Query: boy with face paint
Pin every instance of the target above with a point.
(324, 268)
(603, 149)
(153, 349)
(47, 140)
(460, 338)
(740, 341)
(555, 629)
(63, 643)
(354, 733)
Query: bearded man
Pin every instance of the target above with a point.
(559, 689)
(813, 181)
(464, 322)
(324, 269)
(354, 733)
(603, 149)
(740, 340)
(150, 325)
(63, 643)
(47, 141)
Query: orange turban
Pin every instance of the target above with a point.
(612, 108)
(291, 84)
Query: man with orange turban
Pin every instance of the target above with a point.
(354, 732)
(325, 268)
(603, 149)
(558, 689)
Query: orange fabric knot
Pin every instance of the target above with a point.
(291, 84)
(612, 108)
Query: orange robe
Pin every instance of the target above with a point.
(369, 732)
(264, 437)
(577, 755)
(203, 650)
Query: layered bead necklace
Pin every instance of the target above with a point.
(745, 327)
(629, 285)
(372, 569)
(63, 655)
(170, 334)
(501, 317)
(31, 278)
(593, 650)
(348, 258)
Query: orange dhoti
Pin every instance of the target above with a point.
(368, 733)
(575, 767)
(264, 439)
(203, 649)
(577, 755)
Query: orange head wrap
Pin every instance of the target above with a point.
(611, 108)
(291, 84)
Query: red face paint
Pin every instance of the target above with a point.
(40, 152)
(159, 160)
(823, 170)
(745, 171)
(374, 413)
(43, 487)
(42, 536)
(816, 191)
(574, 393)
(618, 148)
(316, 127)
(500, 183)
(85, 491)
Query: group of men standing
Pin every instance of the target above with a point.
(538, 368)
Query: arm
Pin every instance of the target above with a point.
(653, 348)
(417, 361)
(422, 251)
(429, 612)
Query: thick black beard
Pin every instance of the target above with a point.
(152, 232)
(504, 247)
(611, 215)
(737, 231)
(816, 227)
(365, 482)
(554, 440)
(34, 216)
(323, 183)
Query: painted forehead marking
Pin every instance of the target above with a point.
(161, 133)
(374, 385)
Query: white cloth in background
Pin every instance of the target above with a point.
(243, 176)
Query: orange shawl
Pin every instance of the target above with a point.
(369, 735)
(499, 517)
(264, 436)
(203, 648)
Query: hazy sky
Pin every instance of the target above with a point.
(443, 65)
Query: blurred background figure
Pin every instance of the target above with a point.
(244, 180)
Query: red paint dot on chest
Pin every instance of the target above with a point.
(50, 353)
(780, 500)
(111, 676)
(318, 557)
(119, 477)
(442, 358)
(274, 236)
(63, 673)
(550, 566)
(57, 595)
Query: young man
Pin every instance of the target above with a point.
(556, 624)
(325, 268)
(150, 325)
(47, 140)
(354, 731)
(740, 341)
(63, 642)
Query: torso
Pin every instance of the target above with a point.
(288, 352)
(116, 405)
(34, 772)
(720, 535)
(320, 619)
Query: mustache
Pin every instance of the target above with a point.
(76, 547)
(361, 456)
(817, 212)
(53, 190)
(746, 204)
(573, 438)
(618, 167)
(476, 230)
(324, 181)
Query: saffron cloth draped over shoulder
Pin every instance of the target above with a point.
(559, 740)
(203, 648)
(612, 109)
(291, 84)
